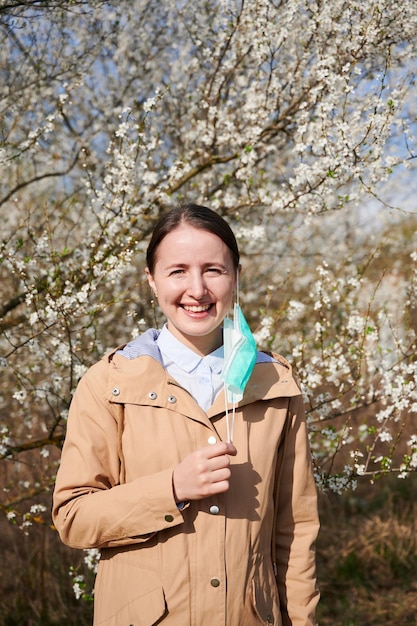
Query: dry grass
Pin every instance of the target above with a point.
(35, 586)
(367, 556)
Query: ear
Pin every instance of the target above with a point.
(151, 281)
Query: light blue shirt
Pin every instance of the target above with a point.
(199, 375)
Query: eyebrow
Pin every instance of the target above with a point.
(204, 266)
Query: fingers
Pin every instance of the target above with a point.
(204, 472)
(220, 448)
(214, 458)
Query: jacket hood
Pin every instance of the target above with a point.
(144, 345)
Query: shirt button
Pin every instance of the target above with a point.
(215, 582)
(169, 518)
(214, 509)
(116, 391)
(212, 440)
(172, 399)
(152, 395)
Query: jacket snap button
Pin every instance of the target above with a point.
(169, 518)
(152, 395)
(172, 399)
(116, 391)
(215, 582)
(214, 509)
(212, 440)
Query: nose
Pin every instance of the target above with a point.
(197, 288)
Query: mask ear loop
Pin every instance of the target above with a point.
(233, 422)
(230, 429)
(226, 410)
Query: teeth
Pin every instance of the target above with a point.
(196, 309)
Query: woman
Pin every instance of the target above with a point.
(193, 529)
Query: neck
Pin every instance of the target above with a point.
(203, 345)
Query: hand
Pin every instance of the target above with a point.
(203, 473)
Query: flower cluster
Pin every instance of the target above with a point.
(286, 117)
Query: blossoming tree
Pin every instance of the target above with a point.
(295, 120)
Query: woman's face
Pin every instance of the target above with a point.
(194, 279)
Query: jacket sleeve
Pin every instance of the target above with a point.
(90, 506)
(297, 524)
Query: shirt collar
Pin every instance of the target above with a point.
(174, 351)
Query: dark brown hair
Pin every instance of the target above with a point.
(197, 216)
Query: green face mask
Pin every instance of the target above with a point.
(239, 355)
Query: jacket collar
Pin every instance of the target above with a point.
(144, 381)
(269, 380)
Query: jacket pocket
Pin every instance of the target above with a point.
(127, 596)
(264, 603)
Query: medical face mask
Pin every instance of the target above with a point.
(239, 355)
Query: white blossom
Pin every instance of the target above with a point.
(385, 435)
(20, 395)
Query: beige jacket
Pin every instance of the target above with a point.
(209, 564)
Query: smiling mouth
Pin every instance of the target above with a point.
(196, 308)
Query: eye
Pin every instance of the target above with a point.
(177, 272)
(215, 270)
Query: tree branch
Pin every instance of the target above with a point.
(36, 179)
